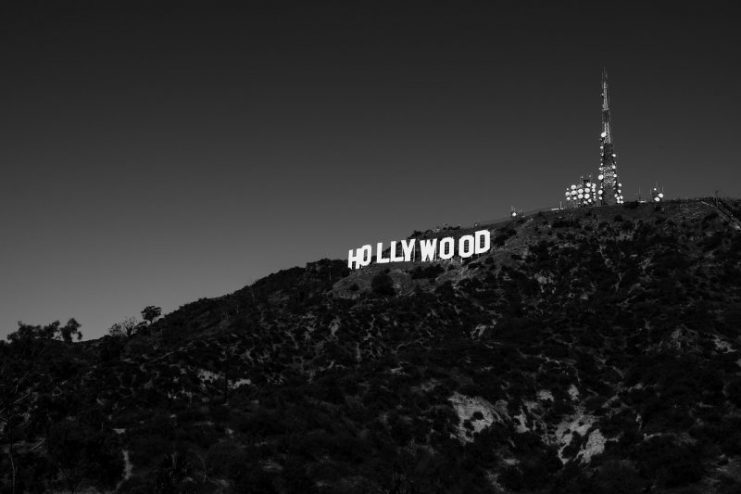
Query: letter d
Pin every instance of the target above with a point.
(483, 241)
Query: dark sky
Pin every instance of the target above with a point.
(159, 154)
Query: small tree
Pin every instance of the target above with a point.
(127, 327)
(53, 331)
(29, 332)
(150, 313)
(72, 328)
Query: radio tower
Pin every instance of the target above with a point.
(609, 187)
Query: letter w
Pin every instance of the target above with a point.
(428, 248)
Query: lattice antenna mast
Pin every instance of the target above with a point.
(610, 188)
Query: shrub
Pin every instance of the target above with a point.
(563, 223)
(149, 450)
(734, 391)
(615, 477)
(673, 465)
(383, 285)
(225, 459)
(429, 272)
(503, 236)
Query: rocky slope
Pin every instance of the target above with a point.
(591, 351)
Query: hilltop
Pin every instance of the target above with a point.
(594, 350)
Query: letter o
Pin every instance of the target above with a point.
(367, 255)
(466, 246)
(447, 246)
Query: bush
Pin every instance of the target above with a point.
(734, 391)
(135, 485)
(615, 477)
(253, 478)
(563, 223)
(511, 478)
(673, 465)
(503, 236)
(149, 450)
(82, 452)
(429, 272)
(225, 459)
(383, 285)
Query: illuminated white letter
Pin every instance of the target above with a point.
(379, 255)
(407, 247)
(484, 235)
(446, 247)
(367, 255)
(355, 259)
(465, 246)
(428, 249)
(394, 257)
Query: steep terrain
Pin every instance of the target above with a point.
(591, 351)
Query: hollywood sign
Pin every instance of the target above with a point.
(430, 250)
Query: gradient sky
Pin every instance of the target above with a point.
(160, 154)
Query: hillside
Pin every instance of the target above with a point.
(591, 351)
